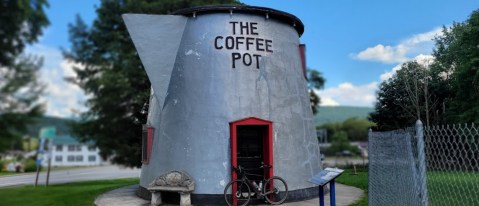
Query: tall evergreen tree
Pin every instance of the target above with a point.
(114, 78)
(21, 23)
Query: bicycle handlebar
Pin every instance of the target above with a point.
(263, 165)
(240, 169)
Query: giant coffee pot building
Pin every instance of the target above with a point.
(228, 89)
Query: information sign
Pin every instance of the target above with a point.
(325, 176)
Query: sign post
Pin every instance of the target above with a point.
(46, 135)
(39, 158)
(324, 177)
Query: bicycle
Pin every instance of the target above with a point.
(274, 190)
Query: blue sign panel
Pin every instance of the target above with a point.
(325, 176)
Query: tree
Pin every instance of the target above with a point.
(354, 128)
(394, 109)
(357, 129)
(445, 91)
(457, 69)
(315, 81)
(22, 23)
(339, 143)
(406, 97)
(113, 77)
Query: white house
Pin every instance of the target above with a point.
(67, 151)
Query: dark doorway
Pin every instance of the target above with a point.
(251, 144)
(250, 152)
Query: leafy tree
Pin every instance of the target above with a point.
(114, 78)
(405, 97)
(457, 69)
(21, 23)
(315, 81)
(355, 129)
(340, 142)
(331, 127)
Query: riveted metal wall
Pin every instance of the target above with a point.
(205, 93)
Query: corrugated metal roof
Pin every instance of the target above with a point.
(69, 140)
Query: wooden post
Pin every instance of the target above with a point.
(48, 170)
(38, 171)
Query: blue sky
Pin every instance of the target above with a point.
(355, 44)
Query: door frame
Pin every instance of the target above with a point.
(267, 143)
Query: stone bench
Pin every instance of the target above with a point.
(172, 181)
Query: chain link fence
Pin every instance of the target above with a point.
(436, 165)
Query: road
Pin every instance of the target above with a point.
(70, 175)
(343, 161)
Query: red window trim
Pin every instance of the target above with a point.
(302, 55)
(149, 143)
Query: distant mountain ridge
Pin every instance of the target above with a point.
(62, 125)
(340, 113)
(326, 114)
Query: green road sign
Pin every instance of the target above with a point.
(48, 132)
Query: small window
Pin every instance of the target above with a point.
(146, 142)
(91, 158)
(59, 148)
(79, 158)
(70, 158)
(78, 147)
(58, 158)
(71, 148)
(91, 148)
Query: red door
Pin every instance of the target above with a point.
(246, 132)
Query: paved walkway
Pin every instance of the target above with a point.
(125, 196)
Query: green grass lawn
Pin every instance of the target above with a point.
(360, 181)
(444, 188)
(81, 193)
(44, 169)
(453, 188)
(8, 173)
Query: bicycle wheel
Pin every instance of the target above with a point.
(237, 191)
(275, 190)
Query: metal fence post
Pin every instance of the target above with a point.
(422, 162)
(370, 146)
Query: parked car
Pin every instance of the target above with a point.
(344, 153)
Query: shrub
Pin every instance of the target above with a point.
(31, 165)
(340, 143)
(3, 165)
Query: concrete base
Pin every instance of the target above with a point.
(219, 199)
(185, 198)
(155, 198)
(345, 195)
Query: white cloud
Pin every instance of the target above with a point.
(327, 101)
(418, 43)
(349, 94)
(60, 96)
(386, 54)
(68, 66)
(389, 74)
(423, 37)
(422, 59)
